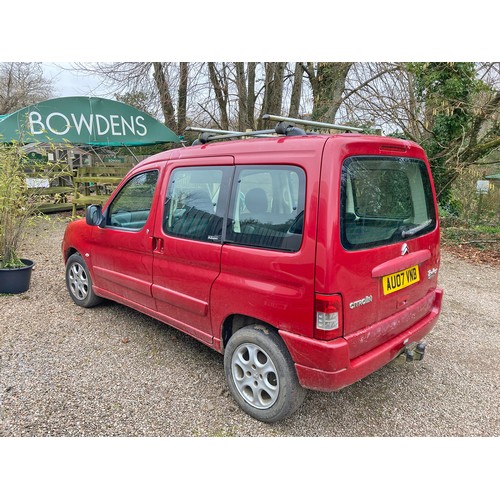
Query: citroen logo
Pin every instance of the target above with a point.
(405, 249)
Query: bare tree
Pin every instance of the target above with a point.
(251, 97)
(327, 81)
(183, 91)
(296, 90)
(22, 84)
(382, 95)
(220, 83)
(245, 85)
(160, 78)
(159, 84)
(273, 90)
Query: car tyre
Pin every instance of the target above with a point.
(261, 374)
(79, 282)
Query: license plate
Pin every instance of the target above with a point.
(397, 281)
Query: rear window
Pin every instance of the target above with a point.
(384, 200)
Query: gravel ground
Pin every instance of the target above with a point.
(111, 371)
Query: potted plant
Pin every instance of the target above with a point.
(19, 199)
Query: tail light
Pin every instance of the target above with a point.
(329, 320)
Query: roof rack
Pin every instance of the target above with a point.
(210, 134)
(312, 123)
(225, 132)
(285, 126)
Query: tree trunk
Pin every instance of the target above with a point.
(164, 94)
(296, 91)
(241, 85)
(328, 84)
(182, 107)
(251, 95)
(221, 93)
(273, 90)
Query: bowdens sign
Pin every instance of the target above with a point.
(60, 124)
(84, 120)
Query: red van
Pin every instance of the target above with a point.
(309, 261)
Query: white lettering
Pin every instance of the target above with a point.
(145, 130)
(113, 119)
(116, 124)
(361, 302)
(99, 119)
(78, 124)
(130, 126)
(38, 121)
(54, 131)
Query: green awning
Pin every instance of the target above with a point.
(84, 120)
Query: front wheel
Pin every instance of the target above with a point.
(261, 375)
(79, 282)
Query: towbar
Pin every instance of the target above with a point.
(414, 351)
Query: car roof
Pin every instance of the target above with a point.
(279, 144)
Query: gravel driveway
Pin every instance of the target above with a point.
(111, 371)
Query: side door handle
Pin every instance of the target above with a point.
(158, 244)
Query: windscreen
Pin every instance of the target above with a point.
(384, 200)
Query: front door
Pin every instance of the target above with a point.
(122, 253)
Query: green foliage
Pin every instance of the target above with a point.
(448, 90)
(18, 202)
(13, 191)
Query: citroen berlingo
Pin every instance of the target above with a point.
(309, 260)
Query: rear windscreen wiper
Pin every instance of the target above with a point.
(414, 230)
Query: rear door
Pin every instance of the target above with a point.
(188, 241)
(385, 241)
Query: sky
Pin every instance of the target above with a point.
(68, 82)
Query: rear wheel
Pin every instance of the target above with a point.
(79, 282)
(261, 375)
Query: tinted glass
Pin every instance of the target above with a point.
(130, 208)
(193, 206)
(384, 200)
(267, 207)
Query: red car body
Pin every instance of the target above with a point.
(208, 289)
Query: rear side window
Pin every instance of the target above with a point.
(194, 207)
(384, 200)
(267, 207)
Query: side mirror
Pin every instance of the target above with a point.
(94, 216)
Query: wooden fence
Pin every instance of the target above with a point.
(95, 184)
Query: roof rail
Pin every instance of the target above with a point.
(210, 134)
(299, 121)
(213, 130)
(285, 126)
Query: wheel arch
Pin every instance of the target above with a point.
(235, 322)
(69, 252)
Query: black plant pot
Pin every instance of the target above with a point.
(16, 280)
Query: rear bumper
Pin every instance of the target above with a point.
(326, 366)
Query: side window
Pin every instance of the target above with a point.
(194, 207)
(130, 208)
(267, 208)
